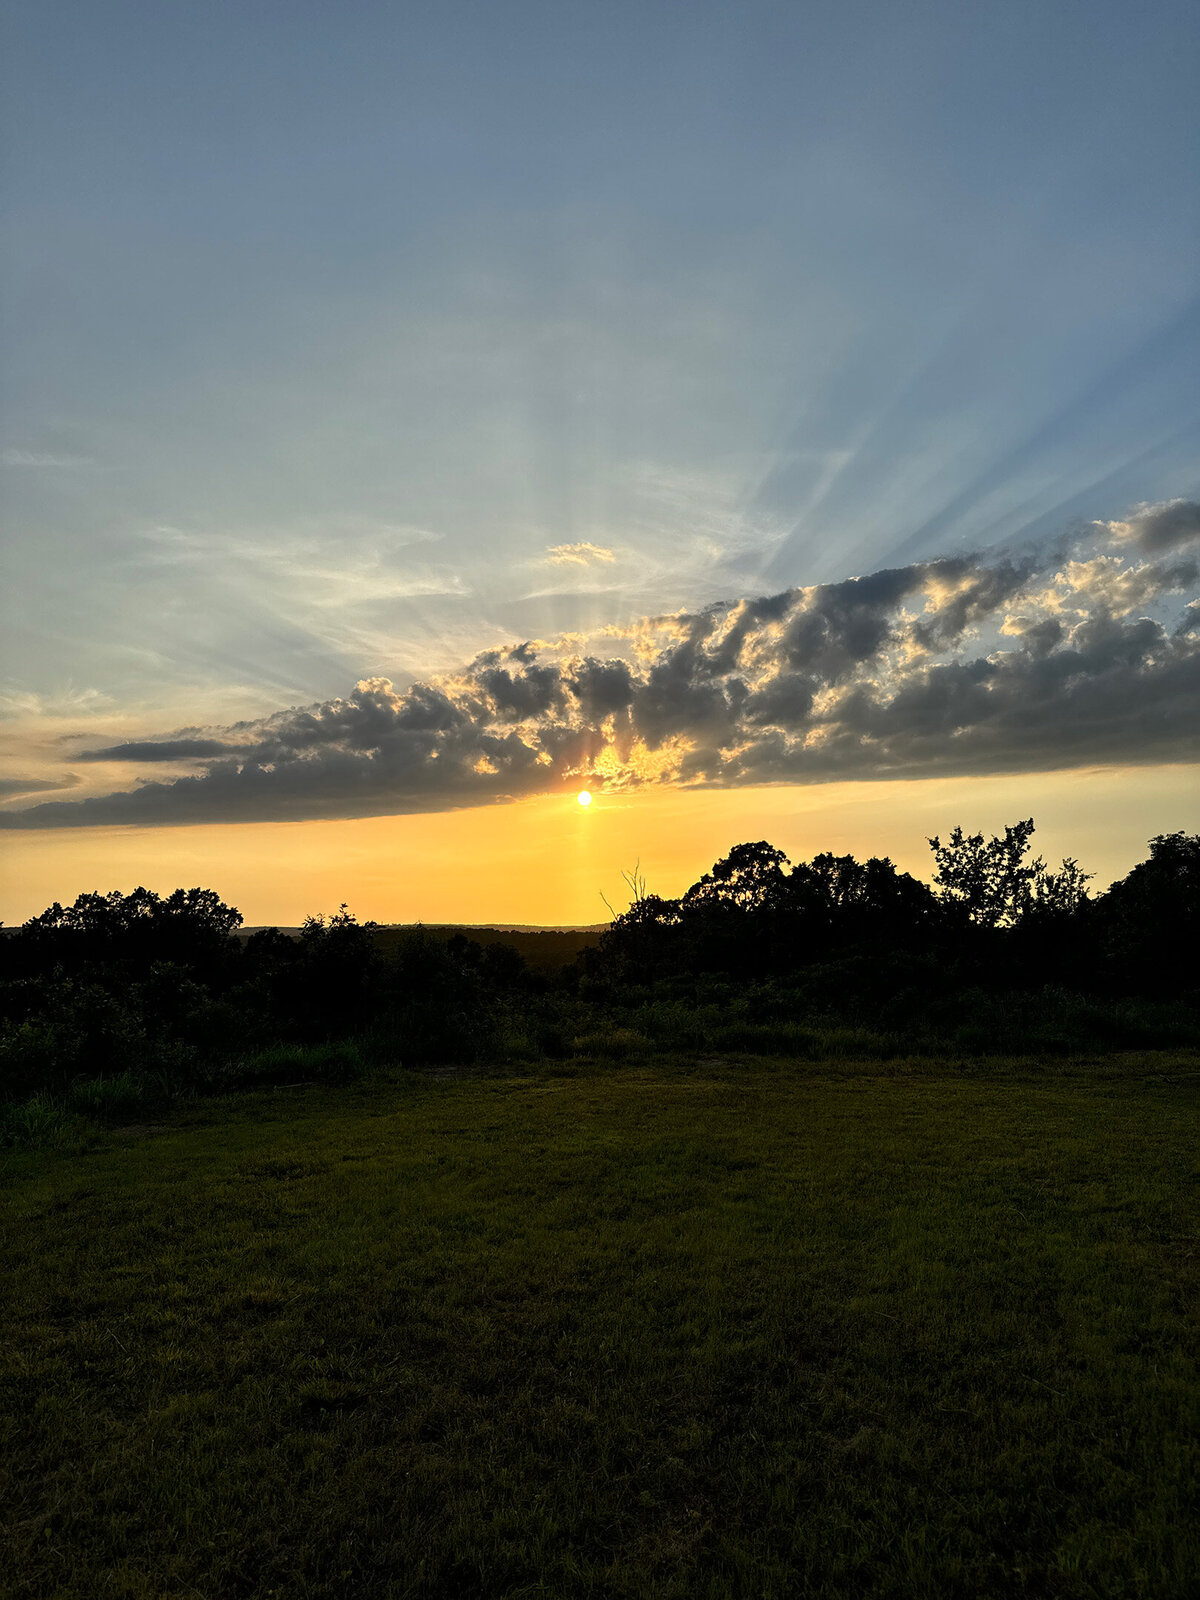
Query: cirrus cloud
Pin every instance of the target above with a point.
(582, 554)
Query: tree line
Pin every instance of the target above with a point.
(998, 952)
(991, 907)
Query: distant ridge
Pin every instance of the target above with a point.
(455, 927)
(508, 927)
(549, 948)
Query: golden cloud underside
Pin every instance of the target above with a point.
(1089, 652)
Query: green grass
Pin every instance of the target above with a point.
(39, 1123)
(745, 1330)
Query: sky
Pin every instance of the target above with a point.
(767, 417)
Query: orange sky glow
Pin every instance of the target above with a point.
(549, 860)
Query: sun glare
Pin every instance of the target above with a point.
(584, 798)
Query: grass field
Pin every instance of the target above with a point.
(735, 1330)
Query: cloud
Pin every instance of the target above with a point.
(583, 554)
(10, 787)
(970, 664)
(1159, 526)
(158, 750)
(17, 704)
(1109, 582)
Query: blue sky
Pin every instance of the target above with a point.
(328, 326)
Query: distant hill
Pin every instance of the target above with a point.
(548, 948)
(472, 928)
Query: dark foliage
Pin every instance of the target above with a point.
(1150, 927)
(832, 954)
(998, 937)
(165, 988)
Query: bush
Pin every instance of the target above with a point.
(339, 1062)
(110, 1099)
(612, 1044)
(35, 1055)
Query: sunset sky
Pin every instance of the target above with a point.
(782, 421)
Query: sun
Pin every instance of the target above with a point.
(584, 798)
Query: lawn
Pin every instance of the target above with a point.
(740, 1329)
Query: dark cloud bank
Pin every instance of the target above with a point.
(1085, 654)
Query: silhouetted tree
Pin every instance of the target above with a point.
(336, 980)
(1060, 895)
(989, 882)
(750, 878)
(635, 948)
(841, 903)
(191, 928)
(1150, 920)
(992, 885)
(756, 916)
(1005, 954)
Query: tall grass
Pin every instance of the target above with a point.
(40, 1123)
(112, 1099)
(338, 1061)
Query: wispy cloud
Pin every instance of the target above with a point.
(14, 787)
(683, 535)
(330, 565)
(583, 554)
(1077, 654)
(17, 703)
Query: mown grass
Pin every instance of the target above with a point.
(739, 1330)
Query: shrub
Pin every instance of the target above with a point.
(110, 1099)
(339, 1062)
(612, 1044)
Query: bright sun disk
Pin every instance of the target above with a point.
(584, 798)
